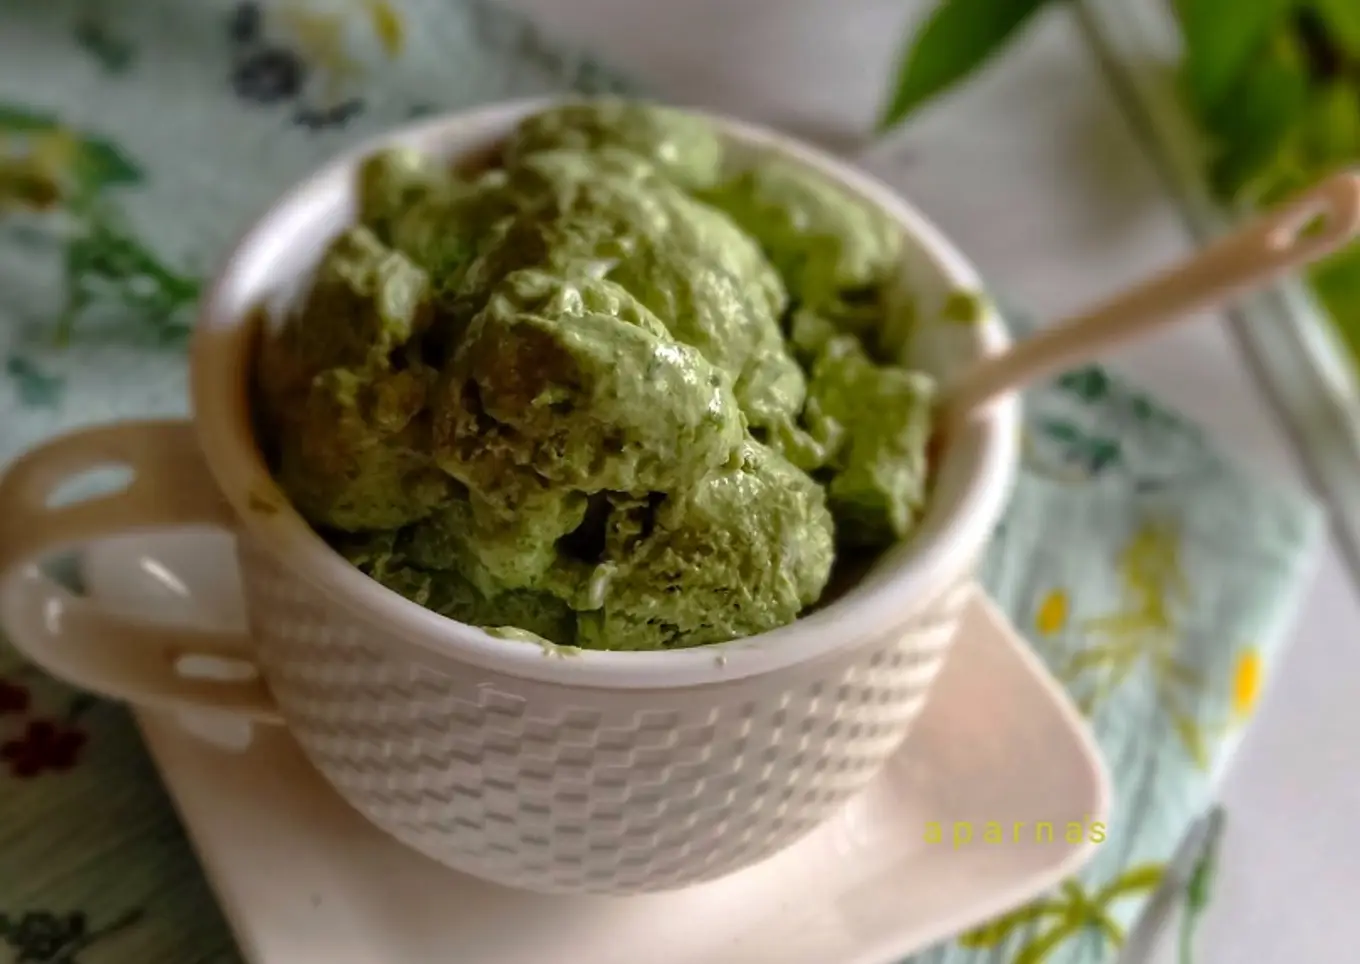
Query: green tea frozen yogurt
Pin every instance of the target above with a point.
(621, 392)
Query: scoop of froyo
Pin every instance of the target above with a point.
(836, 252)
(346, 397)
(683, 146)
(874, 422)
(747, 549)
(564, 387)
(707, 283)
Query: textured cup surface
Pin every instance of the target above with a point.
(564, 789)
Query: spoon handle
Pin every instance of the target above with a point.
(1299, 232)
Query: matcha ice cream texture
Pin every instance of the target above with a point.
(621, 391)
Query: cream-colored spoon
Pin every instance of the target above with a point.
(1299, 232)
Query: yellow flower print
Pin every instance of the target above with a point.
(56, 151)
(1052, 614)
(321, 33)
(37, 170)
(26, 187)
(1246, 684)
(387, 26)
(320, 38)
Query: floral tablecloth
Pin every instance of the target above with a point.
(136, 140)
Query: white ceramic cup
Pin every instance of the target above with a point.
(605, 772)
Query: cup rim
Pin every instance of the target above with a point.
(220, 361)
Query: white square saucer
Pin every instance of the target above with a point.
(302, 877)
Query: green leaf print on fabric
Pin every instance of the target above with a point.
(1063, 451)
(1090, 384)
(107, 267)
(113, 53)
(102, 165)
(36, 388)
(44, 937)
(20, 120)
(1092, 453)
(62, 179)
(93, 163)
(1053, 921)
(1199, 888)
(1091, 427)
(1143, 632)
(1094, 387)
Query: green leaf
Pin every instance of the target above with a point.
(1199, 888)
(1106, 655)
(1098, 917)
(1101, 453)
(995, 931)
(1180, 673)
(36, 388)
(1265, 97)
(1060, 431)
(1148, 413)
(1141, 878)
(113, 53)
(1221, 39)
(1253, 127)
(1342, 18)
(1192, 739)
(1090, 384)
(19, 120)
(1042, 946)
(957, 38)
(1330, 135)
(104, 164)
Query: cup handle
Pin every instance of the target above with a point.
(74, 638)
